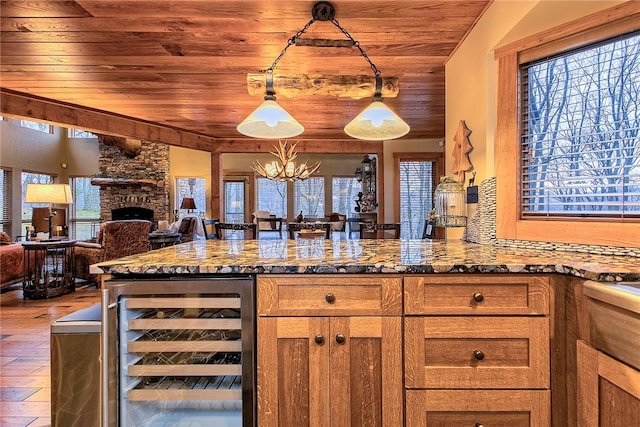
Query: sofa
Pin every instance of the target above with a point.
(116, 239)
(11, 261)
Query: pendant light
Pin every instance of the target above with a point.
(377, 122)
(270, 120)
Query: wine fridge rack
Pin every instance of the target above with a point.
(184, 357)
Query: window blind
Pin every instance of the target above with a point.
(6, 196)
(580, 141)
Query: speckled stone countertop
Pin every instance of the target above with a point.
(318, 256)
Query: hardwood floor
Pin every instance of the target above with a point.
(25, 381)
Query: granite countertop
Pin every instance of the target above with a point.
(367, 256)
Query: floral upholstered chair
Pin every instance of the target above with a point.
(115, 240)
(11, 261)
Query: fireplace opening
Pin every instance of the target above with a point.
(132, 212)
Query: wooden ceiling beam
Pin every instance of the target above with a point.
(356, 87)
(67, 115)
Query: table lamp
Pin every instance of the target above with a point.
(49, 193)
(188, 203)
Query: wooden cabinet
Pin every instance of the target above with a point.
(608, 390)
(319, 365)
(477, 350)
(505, 408)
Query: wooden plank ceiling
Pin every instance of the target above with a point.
(184, 64)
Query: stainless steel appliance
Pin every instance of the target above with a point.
(75, 368)
(180, 352)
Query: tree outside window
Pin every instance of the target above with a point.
(272, 197)
(309, 197)
(344, 195)
(194, 188)
(85, 211)
(581, 133)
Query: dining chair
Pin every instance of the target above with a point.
(209, 226)
(355, 221)
(226, 230)
(375, 231)
(296, 227)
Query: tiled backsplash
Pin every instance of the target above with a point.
(481, 228)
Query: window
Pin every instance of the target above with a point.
(344, 195)
(581, 133)
(309, 197)
(6, 197)
(85, 211)
(77, 133)
(40, 127)
(416, 178)
(416, 197)
(234, 201)
(194, 188)
(272, 197)
(531, 194)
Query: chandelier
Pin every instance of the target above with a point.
(285, 169)
(375, 123)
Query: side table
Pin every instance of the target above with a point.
(161, 239)
(49, 268)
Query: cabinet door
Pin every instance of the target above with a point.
(445, 408)
(366, 372)
(293, 372)
(608, 390)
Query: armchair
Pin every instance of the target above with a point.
(115, 240)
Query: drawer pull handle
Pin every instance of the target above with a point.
(340, 339)
(319, 339)
(478, 297)
(478, 354)
(479, 425)
(331, 298)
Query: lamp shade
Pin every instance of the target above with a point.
(271, 121)
(49, 193)
(376, 123)
(188, 203)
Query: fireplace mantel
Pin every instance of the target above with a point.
(126, 182)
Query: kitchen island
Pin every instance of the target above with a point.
(395, 332)
(319, 256)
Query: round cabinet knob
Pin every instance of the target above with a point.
(479, 425)
(319, 339)
(478, 297)
(331, 298)
(478, 354)
(340, 339)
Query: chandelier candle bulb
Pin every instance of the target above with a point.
(285, 169)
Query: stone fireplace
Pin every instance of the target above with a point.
(138, 181)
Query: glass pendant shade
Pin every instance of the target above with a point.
(376, 123)
(270, 120)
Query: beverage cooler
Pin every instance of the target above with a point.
(180, 352)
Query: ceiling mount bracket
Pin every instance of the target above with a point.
(323, 11)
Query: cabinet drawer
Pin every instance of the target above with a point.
(445, 408)
(477, 294)
(477, 352)
(309, 295)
